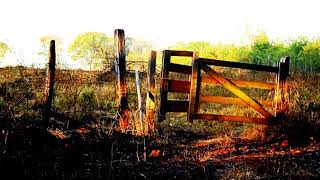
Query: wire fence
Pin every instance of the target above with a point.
(80, 94)
(86, 93)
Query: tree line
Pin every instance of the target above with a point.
(97, 49)
(304, 52)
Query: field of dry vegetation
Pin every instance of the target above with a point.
(82, 140)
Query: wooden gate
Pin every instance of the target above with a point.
(172, 85)
(201, 73)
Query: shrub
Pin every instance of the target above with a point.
(17, 94)
(108, 105)
(2, 104)
(65, 99)
(87, 100)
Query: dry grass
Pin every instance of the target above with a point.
(303, 109)
(254, 133)
(201, 142)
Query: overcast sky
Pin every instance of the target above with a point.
(163, 22)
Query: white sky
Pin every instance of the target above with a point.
(163, 22)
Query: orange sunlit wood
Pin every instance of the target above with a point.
(179, 86)
(234, 89)
(248, 84)
(230, 100)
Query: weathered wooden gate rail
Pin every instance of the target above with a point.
(192, 87)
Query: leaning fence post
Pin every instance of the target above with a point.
(120, 59)
(194, 87)
(150, 102)
(138, 83)
(142, 132)
(49, 83)
(282, 95)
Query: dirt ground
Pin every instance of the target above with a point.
(91, 152)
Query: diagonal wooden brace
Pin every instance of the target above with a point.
(235, 90)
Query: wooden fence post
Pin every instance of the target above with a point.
(282, 95)
(194, 87)
(150, 102)
(120, 59)
(164, 85)
(49, 83)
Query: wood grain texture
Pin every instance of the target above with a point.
(235, 90)
(240, 65)
(194, 87)
(230, 100)
(151, 90)
(120, 59)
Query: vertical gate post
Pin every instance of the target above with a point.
(120, 63)
(194, 87)
(282, 95)
(150, 102)
(49, 83)
(164, 85)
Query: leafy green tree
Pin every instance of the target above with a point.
(205, 48)
(45, 45)
(295, 52)
(261, 49)
(95, 48)
(243, 53)
(230, 52)
(218, 51)
(137, 50)
(4, 49)
(311, 56)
